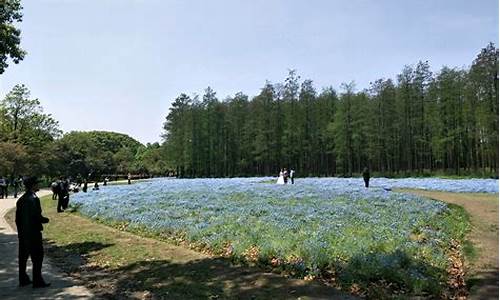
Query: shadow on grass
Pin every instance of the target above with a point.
(209, 278)
(71, 257)
(384, 275)
(484, 285)
(381, 275)
(213, 278)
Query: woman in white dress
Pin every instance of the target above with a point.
(281, 180)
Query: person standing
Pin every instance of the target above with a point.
(129, 177)
(66, 188)
(285, 175)
(6, 187)
(281, 180)
(366, 176)
(4, 191)
(292, 175)
(29, 222)
(84, 189)
(61, 193)
(16, 183)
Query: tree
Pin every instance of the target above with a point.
(10, 36)
(14, 159)
(484, 84)
(176, 137)
(97, 152)
(25, 128)
(325, 109)
(150, 160)
(23, 119)
(291, 138)
(342, 129)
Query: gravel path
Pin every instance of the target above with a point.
(63, 287)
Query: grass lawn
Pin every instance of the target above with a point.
(117, 264)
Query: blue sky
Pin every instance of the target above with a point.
(117, 64)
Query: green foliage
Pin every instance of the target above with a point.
(23, 120)
(14, 158)
(26, 134)
(10, 36)
(96, 152)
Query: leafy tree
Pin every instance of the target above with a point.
(14, 159)
(10, 36)
(484, 85)
(24, 127)
(342, 128)
(94, 152)
(23, 119)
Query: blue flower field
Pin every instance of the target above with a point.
(320, 227)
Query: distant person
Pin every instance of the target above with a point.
(54, 186)
(16, 184)
(105, 181)
(292, 175)
(67, 189)
(6, 187)
(366, 176)
(96, 186)
(281, 179)
(29, 222)
(61, 194)
(285, 175)
(84, 189)
(129, 178)
(4, 191)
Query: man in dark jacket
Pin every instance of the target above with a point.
(4, 186)
(366, 176)
(29, 222)
(61, 194)
(84, 185)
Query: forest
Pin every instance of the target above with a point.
(420, 124)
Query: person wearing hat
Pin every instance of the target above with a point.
(29, 222)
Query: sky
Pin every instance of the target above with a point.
(117, 65)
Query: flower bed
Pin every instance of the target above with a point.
(326, 227)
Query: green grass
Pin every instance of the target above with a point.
(470, 251)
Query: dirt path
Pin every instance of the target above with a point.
(62, 287)
(483, 211)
